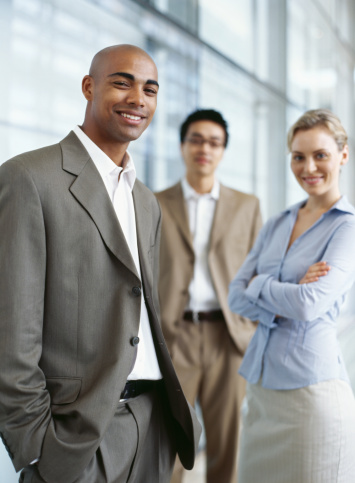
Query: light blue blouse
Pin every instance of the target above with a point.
(299, 347)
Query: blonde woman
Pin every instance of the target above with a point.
(299, 417)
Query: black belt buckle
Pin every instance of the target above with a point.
(195, 317)
(134, 388)
(129, 390)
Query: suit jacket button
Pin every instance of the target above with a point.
(135, 341)
(137, 291)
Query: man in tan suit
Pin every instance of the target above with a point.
(207, 231)
(88, 393)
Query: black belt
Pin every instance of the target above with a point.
(136, 387)
(211, 316)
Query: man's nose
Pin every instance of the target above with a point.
(204, 146)
(136, 96)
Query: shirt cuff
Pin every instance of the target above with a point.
(252, 292)
(255, 287)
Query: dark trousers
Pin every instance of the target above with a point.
(137, 446)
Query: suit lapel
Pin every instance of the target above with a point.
(143, 223)
(225, 211)
(177, 208)
(90, 191)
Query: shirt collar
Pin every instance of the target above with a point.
(341, 205)
(190, 193)
(104, 164)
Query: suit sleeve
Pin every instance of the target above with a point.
(24, 401)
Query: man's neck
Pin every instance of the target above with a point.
(115, 151)
(117, 154)
(201, 185)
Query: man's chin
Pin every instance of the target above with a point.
(129, 135)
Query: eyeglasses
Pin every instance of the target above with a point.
(197, 141)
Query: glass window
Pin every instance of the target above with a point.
(182, 11)
(228, 27)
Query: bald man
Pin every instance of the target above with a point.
(88, 393)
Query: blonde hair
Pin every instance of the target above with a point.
(319, 118)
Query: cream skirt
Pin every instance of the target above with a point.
(303, 435)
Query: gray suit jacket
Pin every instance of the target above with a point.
(235, 226)
(68, 312)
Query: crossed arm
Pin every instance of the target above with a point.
(262, 296)
(315, 271)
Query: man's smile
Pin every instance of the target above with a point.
(131, 117)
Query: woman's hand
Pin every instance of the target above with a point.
(319, 269)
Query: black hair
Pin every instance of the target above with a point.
(204, 115)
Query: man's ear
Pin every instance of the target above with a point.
(182, 152)
(87, 86)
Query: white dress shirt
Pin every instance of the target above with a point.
(119, 184)
(201, 209)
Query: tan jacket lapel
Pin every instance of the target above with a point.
(176, 205)
(225, 212)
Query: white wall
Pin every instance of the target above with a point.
(7, 472)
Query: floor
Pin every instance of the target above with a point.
(197, 474)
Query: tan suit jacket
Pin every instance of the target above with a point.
(235, 226)
(68, 311)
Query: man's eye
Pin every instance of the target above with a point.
(195, 141)
(121, 83)
(152, 92)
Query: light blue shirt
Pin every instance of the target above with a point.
(299, 347)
